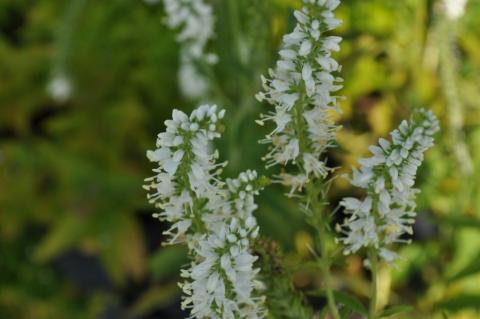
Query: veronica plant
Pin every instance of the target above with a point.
(214, 218)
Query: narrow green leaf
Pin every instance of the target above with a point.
(153, 298)
(471, 269)
(395, 310)
(323, 313)
(460, 303)
(65, 234)
(350, 302)
(345, 313)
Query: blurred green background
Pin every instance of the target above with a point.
(77, 239)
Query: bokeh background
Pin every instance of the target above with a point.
(77, 239)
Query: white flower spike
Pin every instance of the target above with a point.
(388, 210)
(195, 21)
(301, 88)
(186, 169)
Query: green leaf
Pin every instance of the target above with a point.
(323, 313)
(350, 302)
(471, 269)
(345, 313)
(395, 310)
(460, 303)
(65, 234)
(167, 261)
(153, 298)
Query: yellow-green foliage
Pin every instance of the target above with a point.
(76, 236)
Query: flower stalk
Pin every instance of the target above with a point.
(373, 263)
(301, 88)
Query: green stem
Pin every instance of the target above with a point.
(243, 111)
(233, 12)
(372, 255)
(449, 82)
(327, 278)
(215, 86)
(317, 219)
(320, 224)
(64, 34)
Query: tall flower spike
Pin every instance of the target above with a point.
(186, 171)
(388, 210)
(194, 19)
(221, 281)
(301, 89)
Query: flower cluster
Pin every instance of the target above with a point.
(187, 168)
(221, 281)
(195, 20)
(388, 210)
(214, 218)
(301, 89)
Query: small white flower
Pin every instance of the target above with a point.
(60, 88)
(314, 166)
(455, 8)
(295, 182)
